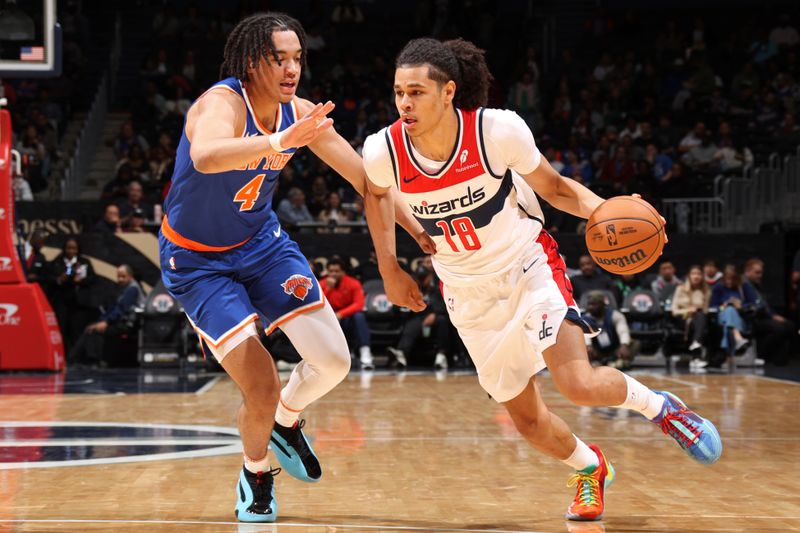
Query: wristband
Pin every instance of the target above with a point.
(275, 141)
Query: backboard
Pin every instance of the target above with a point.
(30, 39)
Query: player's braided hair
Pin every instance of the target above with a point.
(251, 40)
(457, 60)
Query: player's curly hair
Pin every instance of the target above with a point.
(251, 40)
(457, 60)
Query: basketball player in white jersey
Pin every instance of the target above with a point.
(468, 174)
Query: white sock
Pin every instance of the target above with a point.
(366, 353)
(640, 398)
(583, 457)
(262, 465)
(285, 417)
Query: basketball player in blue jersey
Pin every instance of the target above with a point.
(468, 174)
(225, 257)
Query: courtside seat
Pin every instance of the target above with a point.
(645, 317)
(384, 319)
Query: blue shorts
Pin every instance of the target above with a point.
(222, 292)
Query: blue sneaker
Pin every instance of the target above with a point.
(696, 435)
(295, 453)
(255, 496)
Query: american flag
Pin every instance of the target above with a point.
(31, 53)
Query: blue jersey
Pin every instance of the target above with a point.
(219, 211)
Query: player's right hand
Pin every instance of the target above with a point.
(308, 127)
(402, 290)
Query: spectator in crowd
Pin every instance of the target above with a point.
(432, 322)
(625, 284)
(136, 162)
(733, 300)
(773, 332)
(71, 281)
(614, 344)
(114, 322)
(784, 34)
(36, 266)
(293, 209)
(591, 279)
(690, 304)
(35, 161)
(711, 272)
(135, 222)
(22, 189)
(134, 201)
(118, 187)
(126, 139)
(666, 282)
(346, 296)
(333, 214)
(701, 156)
(111, 221)
(694, 138)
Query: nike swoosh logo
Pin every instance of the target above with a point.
(524, 269)
(277, 233)
(409, 180)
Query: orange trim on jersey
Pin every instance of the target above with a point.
(289, 408)
(296, 116)
(179, 240)
(259, 125)
(286, 318)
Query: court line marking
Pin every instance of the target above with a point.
(207, 387)
(770, 378)
(119, 442)
(673, 380)
(273, 526)
(73, 423)
(189, 454)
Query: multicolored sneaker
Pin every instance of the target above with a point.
(295, 452)
(590, 497)
(255, 501)
(695, 434)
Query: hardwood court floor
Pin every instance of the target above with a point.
(417, 454)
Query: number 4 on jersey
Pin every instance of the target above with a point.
(249, 193)
(465, 229)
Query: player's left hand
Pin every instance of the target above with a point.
(308, 127)
(425, 242)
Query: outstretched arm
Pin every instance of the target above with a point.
(215, 123)
(562, 193)
(336, 152)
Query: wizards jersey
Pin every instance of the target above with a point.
(481, 218)
(218, 211)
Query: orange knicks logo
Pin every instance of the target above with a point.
(298, 286)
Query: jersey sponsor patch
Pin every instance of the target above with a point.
(298, 286)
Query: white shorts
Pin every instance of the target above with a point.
(506, 323)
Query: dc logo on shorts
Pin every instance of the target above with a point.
(298, 286)
(546, 330)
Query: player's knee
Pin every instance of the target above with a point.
(338, 364)
(262, 399)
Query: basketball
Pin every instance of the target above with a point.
(625, 235)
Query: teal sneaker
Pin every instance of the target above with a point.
(295, 453)
(255, 496)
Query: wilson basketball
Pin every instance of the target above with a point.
(625, 235)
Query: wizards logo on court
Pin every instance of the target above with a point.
(298, 286)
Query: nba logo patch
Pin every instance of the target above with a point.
(298, 286)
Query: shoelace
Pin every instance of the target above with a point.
(588, 488)
(298, 442)
(680, 417)
(264, 483)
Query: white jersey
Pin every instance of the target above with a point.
(477, 208)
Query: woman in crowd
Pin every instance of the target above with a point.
(690, 304)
